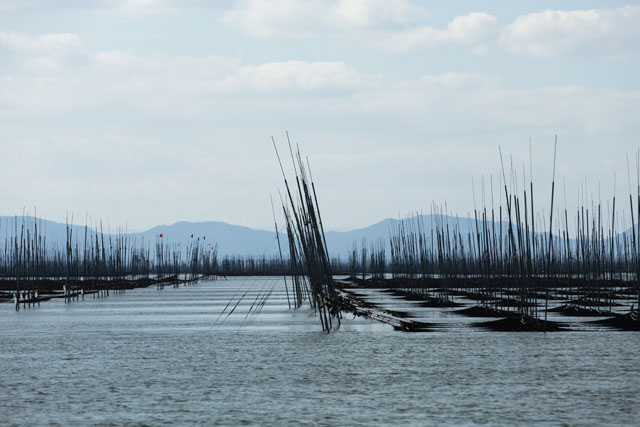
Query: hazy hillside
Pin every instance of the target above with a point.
(230, 239)
(56, 233)
(235, 239)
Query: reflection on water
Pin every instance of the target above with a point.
(168, 356)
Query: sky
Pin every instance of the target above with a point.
(148, 112)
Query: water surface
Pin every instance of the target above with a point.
(167, 357)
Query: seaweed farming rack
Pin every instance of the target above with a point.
(516, 264)
(308, 256)
(33, 269)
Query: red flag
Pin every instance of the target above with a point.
(161, 235)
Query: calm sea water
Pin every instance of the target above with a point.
(167, 357)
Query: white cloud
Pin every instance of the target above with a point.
(467, 103)
(472, 29)
(394, 25)
(297, 75)
(156, 83)
(300, 18)
(171, 85)
(123, 7)
(9, 5)
(375, 14)
(49, 51)
(138, 7)
(598, 32)
(45, 43)
(270, 18)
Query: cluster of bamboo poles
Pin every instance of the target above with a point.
(514, 256)
(95, 260)
(369, 259)
(308, 255)
(249, 265)
(236, 265)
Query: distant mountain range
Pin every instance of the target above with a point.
(230, 239)
(236, 240)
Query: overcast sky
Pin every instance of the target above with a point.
(147, 112)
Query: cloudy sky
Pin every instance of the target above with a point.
(147, 112)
